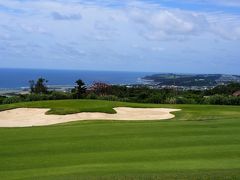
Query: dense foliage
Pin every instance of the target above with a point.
(224, 89)
(1, 99)
(79, 90)
(39, 87)
(200, 80)
(220, 95)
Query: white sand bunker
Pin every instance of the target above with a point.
(26, 117)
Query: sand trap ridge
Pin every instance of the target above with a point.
(26, 117)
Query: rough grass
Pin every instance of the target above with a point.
(202, 142)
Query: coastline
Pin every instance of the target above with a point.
(18, 79)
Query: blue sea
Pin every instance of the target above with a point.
(19, 78)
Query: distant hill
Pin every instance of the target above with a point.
(171, 79)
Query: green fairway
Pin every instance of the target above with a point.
(202, 142)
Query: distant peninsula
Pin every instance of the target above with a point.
(190, 80)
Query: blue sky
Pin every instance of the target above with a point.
(187, 36)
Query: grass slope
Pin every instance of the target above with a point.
(202, 142)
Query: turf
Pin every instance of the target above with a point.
(202, 142)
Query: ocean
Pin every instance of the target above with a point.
(19, 78)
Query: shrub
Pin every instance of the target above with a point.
(108, 98)
(234, 100)
(124, 99)
(55, 95)
(91, 96)
(1, 99)
(183, 100)
(155, 98)
(171, 100)
(37, 97)
(142, 96)
(10, 100)
(222, 100)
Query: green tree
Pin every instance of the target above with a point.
(32, 86)
(39, 87)
(80, 89)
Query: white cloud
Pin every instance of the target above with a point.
(153, 21)
(85, 30)
(59, 16)
(158, 49)
(232, 3)
(32, 28)
(225, 26)
(167, 24)
(226, 3)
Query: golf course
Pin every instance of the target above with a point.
(200, 142)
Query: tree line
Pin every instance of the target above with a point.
(220, 95)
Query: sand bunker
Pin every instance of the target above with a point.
(26, 117)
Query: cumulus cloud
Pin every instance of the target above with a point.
(153, 21)
(112, 27)
(167, 24)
